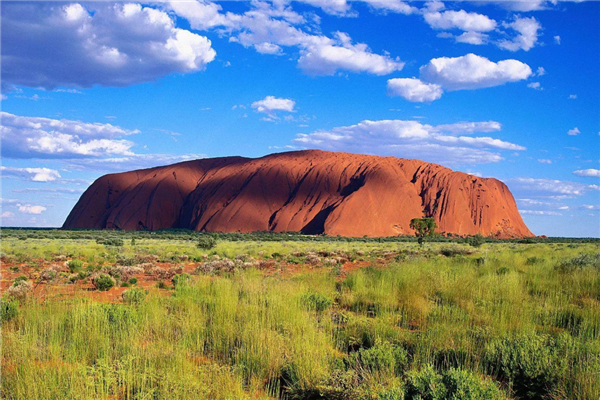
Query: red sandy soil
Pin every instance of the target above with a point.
(310, 191)
(59, 288)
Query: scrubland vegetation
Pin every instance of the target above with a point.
(297, 319)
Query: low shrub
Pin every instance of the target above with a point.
(532, 364)
(103, 282)
(181, 280)
(206, 242)
(9, 309)
(74, 265)
(455, 251)
(20, 289)
(579, 262)
(475, 241)
(384, 357)
(134, 295)
(316, 301)
(452, 384)
(425, 384)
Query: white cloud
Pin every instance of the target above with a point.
(466, 21)
(7, 214)
(544, 161)
(327, 59)
(128, 163)
(521, 5)
(29, 137)
(591, 173)
(535, 85)
(411, 139)
(271, 104)
(572, 97)
(470, 127)
(269, 28)
(77, 45)
(541, 71)
(549, 187)
(459, 73)
(476, 38)
(573, 132)
(395, 6)
(557, 39)
(31, 209)
(538, 212)
(472, 72)
(32, 174)
(527, 34)
(413, 89)
(333, 7)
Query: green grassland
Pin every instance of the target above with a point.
(506, 320)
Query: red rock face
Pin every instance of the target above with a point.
(306, 191)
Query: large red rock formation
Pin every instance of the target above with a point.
(306, 191)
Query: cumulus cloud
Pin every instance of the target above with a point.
(473, 72)
(395, 6)
(589, 173)
(470, 127)
(270, 28)
(271, 104)
(466, 21)
(343, 8)
(476, 38)
(549, 187)
(412, 139)
(413, 89)
(573, 132)
(527, 34)
(32, 174)
(36, 137)
(544, 161)
(535, 86)
(51, 45)
(128, 163)
(30, 209)
(459, 73)
(328, 58)
(539, 212)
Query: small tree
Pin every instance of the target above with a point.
(206, 242)
(475, 241)
(423, 228)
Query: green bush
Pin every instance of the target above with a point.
(9, 309)
(475, 241)
(206, 242)
(316, 302)
(118, 242)
(133, 281)
(103, 282)
(532, 364)
(425, 384)
(465, 385)
(74, 265)
(579, 262)
(134, 295)
(181, 280)
(453, 384)
(384, 358)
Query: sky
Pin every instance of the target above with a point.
(502, 89)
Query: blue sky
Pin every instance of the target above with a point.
(500, 89)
